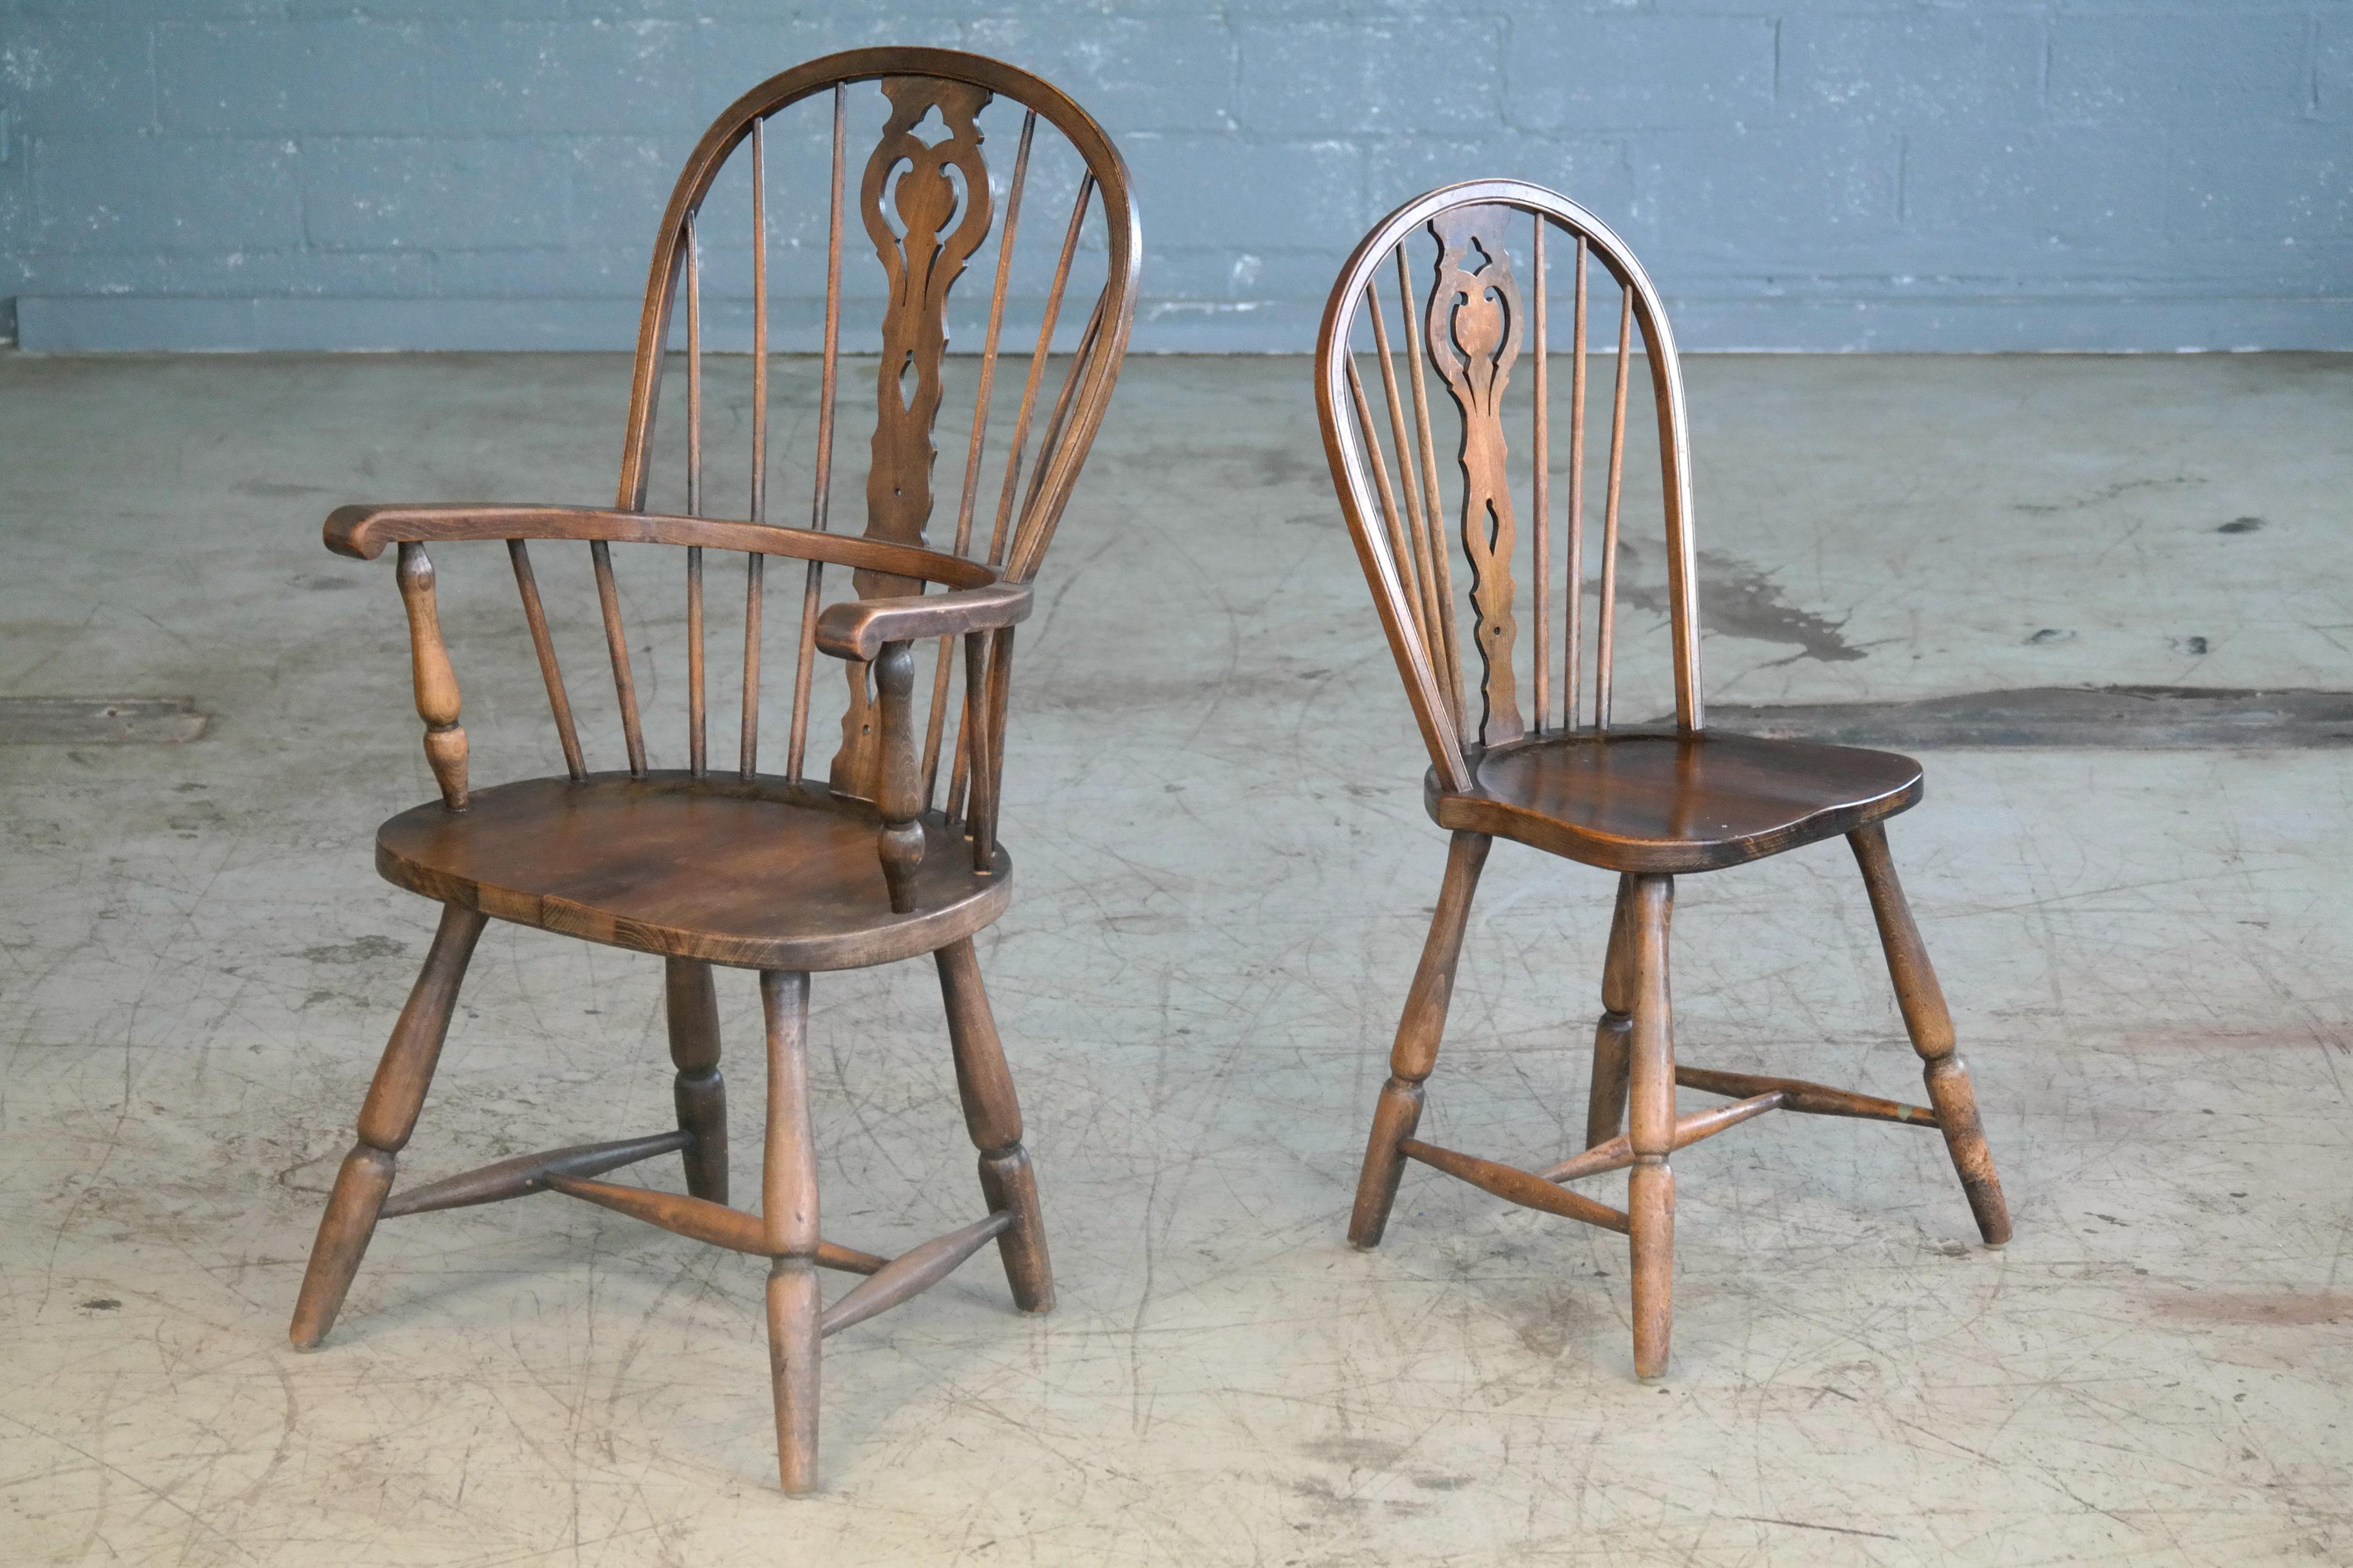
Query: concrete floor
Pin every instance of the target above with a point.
(1225, 870)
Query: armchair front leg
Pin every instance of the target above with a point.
(898, 793)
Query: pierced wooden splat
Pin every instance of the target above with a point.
(1474, 326)
(940, 222)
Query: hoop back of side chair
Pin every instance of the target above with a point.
(927, 209)
(1470, 325)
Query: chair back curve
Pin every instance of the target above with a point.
(1469, 324)
(940, 189)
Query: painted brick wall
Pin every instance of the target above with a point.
(1797, 174)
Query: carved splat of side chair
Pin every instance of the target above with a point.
(1647, 805)
(776, 872)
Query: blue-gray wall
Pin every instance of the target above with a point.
(1797, 174)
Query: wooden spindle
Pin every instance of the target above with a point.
(617, 643)
(1540, 539)
(1576, 630)
(1514, 1185)
(436, 683)
(755, 565)
(1434, 545)
(968, 737)
(896, 779)
(544, 646)
(696, 759)
(756, 583)
(1606, 639)
(997, 539)
(972, 733)
(913, 1272)
(988, 764)
(980, 761)
(1037, 531)
(820, 504)
(527, 1174)
(1412, 570)
(935, 728)
(1400, 553)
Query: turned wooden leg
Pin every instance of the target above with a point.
(1605, 1104)
(1398, 1111)
(788, 1225)
(387, 1119)
(692, 1004)
(993, 1115)
(1650, 1184)
(1930, 1025)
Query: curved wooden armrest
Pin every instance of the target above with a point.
(363, 531)
(860, 628)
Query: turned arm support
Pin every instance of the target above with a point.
(883, 631)
(435, 681)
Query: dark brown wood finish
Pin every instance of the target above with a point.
(783, 874)
(691, 1002)
(1649, 804)
(387, 1118)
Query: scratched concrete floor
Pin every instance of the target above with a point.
(1224, 875)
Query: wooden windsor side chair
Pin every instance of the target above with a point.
(779, 873)
(1648, 806)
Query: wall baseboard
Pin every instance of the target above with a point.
(1703, 323)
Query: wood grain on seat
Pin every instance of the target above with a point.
(1667, 804)
(763, 874)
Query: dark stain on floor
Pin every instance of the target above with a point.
(1736, 599)
(2142, 718)
(365, 949)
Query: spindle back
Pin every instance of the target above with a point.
(1469, 324)
(927, 200)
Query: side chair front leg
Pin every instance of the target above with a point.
(1650, 1184)
(1398, 1111)
(387, 1118)
(1930, 1025)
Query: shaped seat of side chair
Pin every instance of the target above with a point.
(1669, 803)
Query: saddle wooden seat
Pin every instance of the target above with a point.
(1508, 760)
(763, 873)
(1672, 803)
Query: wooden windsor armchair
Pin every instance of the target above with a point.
(1647, 805)
(779, 873)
